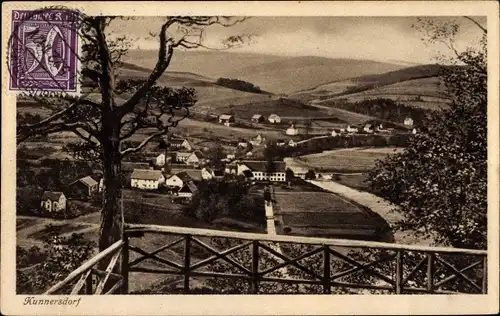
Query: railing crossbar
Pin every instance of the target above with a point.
(289, 261)
(221, 256)
(218, 255)
(147, 255)
(458, 272)
(413, 271)
(360, 268)
(360, 265)
(154, 252)
(451, 277)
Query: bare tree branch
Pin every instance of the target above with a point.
(477, 24)
(163, 131)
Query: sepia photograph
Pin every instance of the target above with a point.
(245, 154)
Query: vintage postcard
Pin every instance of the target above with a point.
(235, 158)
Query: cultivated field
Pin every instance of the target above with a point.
(347, 159)
(325, 215)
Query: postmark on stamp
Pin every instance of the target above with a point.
(43, 51)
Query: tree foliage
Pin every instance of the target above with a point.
(440, 180)
(115, 110)
(38, 269)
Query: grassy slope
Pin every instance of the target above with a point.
(402, 85)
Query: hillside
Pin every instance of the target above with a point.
(417, 86)
(277, 74)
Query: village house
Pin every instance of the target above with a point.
(53, 202)
(207, 173)
(231, 168)
(414, 131)
(84, 187)
(274, 118)
(248, 154)
(180, 144)
(408, 121)
(368, 128)
(280, 142)
(178, 180)
(181, 156)
(351, 129)
(380, 128)
(196, 158)
(257, 140)
(292, 143)
(292, 130)
(242, 143)
(257, 118)
(187, 190)
(336, 132)
(226, 119)
(161, 160)
(147, 179)
(259, 170)
(194, 174)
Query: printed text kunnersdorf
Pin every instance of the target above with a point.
(32, 300)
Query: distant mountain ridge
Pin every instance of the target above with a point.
(276, 74)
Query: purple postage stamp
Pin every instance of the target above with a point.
(44, 50)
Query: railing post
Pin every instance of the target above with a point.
(485, 275)
(399, 272)
(327, 289)
(124, 265)
(430, 272)
(89, 285)
(187, 262)
(255, 267)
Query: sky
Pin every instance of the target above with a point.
(390, 39)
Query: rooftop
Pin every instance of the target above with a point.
(52, 195)
(146, 174)
(256, 165)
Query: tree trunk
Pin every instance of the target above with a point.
(111, 216)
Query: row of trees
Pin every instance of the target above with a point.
(386, 109)
(218, 199)
(238, 85)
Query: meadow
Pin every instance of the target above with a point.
(347, 159)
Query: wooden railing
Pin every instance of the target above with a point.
(248, 263)
(89, 279)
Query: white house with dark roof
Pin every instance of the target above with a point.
(182, 156)
(274, 118)
(53, 202)
(196, 158)
(227, 119)
(259, 170)
(292, 130)
(408, 121)
(257, 140)
(147, 179)
(368, 128)
(257, 118)
(187, 190)
(280, 142)
(179, 144)
(352, 129)
(178, 180)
